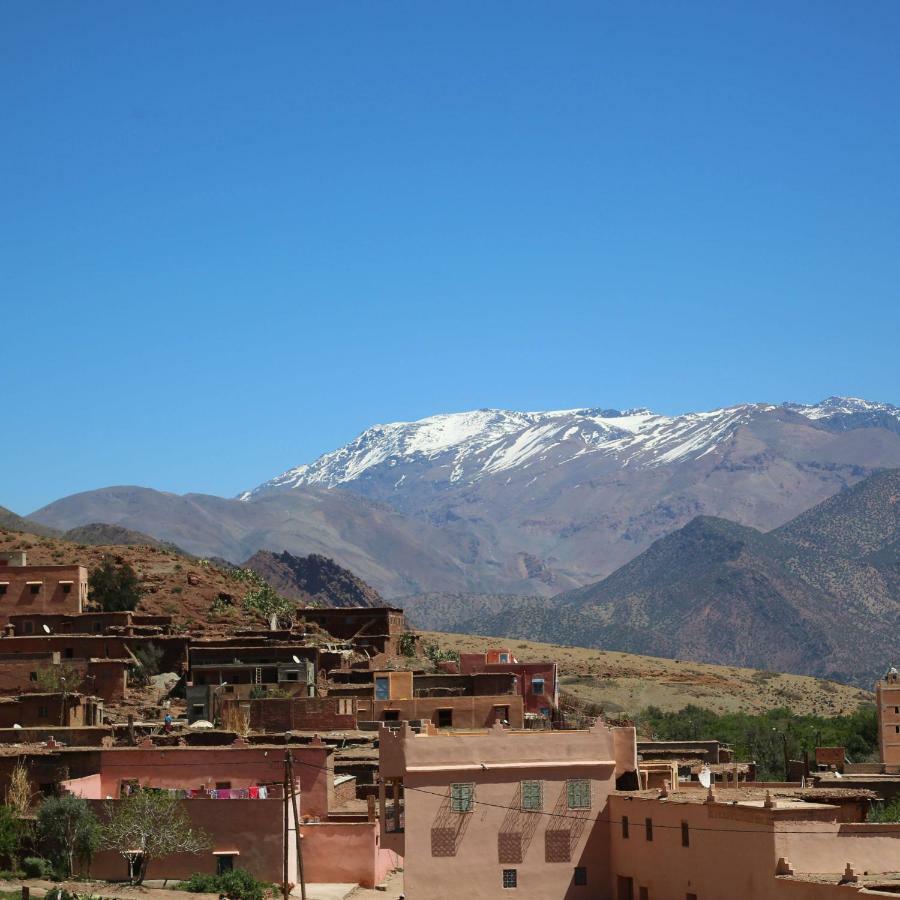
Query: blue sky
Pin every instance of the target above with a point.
(234, 235)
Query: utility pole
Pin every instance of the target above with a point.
(284, 843)
(297, 835)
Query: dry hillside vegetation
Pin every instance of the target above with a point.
(627, 683)
(172, 584)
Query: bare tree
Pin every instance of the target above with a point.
(146, 825)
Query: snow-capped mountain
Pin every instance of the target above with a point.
(505, 502)
(469, 446)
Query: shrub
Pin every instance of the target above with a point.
(238, 884)
(37, 867)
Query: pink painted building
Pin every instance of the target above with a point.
(235, 795)
(538, 814)
(480, 814)
(538, 681)
(744, 845)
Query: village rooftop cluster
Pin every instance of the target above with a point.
(466, 774)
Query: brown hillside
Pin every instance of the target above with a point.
(627, 683)
(172, 583)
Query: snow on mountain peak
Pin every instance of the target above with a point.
(470, 445)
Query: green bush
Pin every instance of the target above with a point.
(37, 867)
(885, 812)
(238, 884)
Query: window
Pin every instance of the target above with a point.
(382, 688)
(198, 709)
(2, 589)
(34, 588)
(624, 826)
(504, 657)
(643, 893)
(510, 878)
(537, 685)
(532, 795)
(462, 798)
(345, 707)
(580, 875)
(391, 715)
(545, 712)
(291, 675)
(648, 823)
(445, 718)
(578, 793)
(32, 676)
(224, 863)
(685, 835)
(68, 653)
(42, 712)
(223, 785)
(97, 627)
(28, 628)
(67, 588)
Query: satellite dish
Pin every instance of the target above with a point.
(46, 628)
(296, 659)
(17, 725)
(705, 777)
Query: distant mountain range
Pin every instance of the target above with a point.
(819, 595)
(761, 535)
(502, 502)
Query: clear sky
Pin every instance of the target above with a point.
(233, 235)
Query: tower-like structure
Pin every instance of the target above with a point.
(887, 699)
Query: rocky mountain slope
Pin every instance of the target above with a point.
(805, 597)
(312, 579)
(494, 501)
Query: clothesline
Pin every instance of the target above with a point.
(255, 792)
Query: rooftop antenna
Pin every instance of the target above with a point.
(705, 777)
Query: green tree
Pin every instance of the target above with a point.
(114, 587)
(153, 823)
(68, 831)
(59, 677)
(10, 836)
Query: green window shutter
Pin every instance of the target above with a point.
(531, 795)
(461, 797)
(578, 793)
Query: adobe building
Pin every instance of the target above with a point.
(887, 701)
(481, 814)
(225, 674)
(376, 630)
(448, 701)
(48, 709)
(122, 623)
(318, 714)
(39, 589)
(747, 844)
(235, 795)
(20, 671)
(538, 681)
